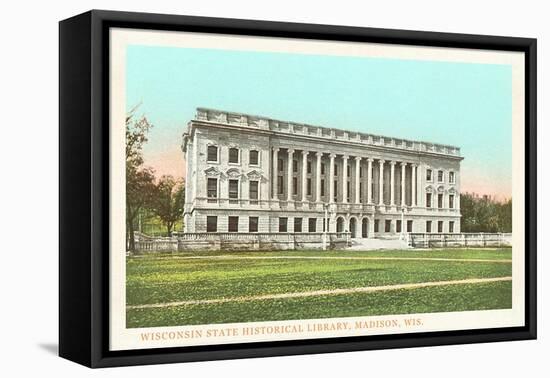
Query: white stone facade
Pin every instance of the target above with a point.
(238, 179)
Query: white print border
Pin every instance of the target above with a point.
(122, 338)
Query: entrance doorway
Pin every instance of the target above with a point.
(353, 227)
(365, 228)
(340, 224)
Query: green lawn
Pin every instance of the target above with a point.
(216, 275)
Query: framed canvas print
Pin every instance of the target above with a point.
(234, 188)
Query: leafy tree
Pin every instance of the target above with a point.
(169, 201)
(485, 214)
(140, 180)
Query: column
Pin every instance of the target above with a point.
(304, 175)
(392, 183)
(275, 172)
(403, 168)
(289, 174)
(331, 179)
(369, 181)
(358, 180)
(318, 177)
(381, 183)
(345, 179)
(413, 184)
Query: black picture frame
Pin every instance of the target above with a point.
(84, 187)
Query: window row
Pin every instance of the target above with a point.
(388, 224)
(409, 225)
(295, 167)
(233, 189)
(233, 224)
(451, 228)
(234, 155)
(440, 176)
(440, 200)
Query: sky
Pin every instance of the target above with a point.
(468, 105)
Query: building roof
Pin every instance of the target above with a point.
(301, 129)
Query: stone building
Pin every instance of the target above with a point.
(251, 174)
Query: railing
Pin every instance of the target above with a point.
(241, 241)
(157, 245)
(478, 239)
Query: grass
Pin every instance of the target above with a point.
(174, 278)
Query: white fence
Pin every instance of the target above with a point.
(241, 241)
(475, 239)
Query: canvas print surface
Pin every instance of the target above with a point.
(269, 189)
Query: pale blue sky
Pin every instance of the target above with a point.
(462, 104)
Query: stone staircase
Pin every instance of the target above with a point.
(359, 244)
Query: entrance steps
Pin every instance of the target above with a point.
(364, 244)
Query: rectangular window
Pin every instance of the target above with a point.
(308, 167)
(387, 225)
(233, 190)
(409, 226)
(233, 155)
(322, 187)
(440, 226)
(451, 226)
(252, 224)
(451, 177)
(439, 176)
(283, 224)
(297, 224)
(280, 185)
(335, 169)
(335, 190)
(211, 224)
(360, 171)
(440, 201)
(428, 199)
(322, 168)
(360, 192)
(428, 175)
(376, 225)
(451, 201)
(428, 226)
(212, 188)
(349, 169)
(295, 185)
(280, 165)
(212, 154)
(254, 157)
(312, 225)
(398, 226)
(294, 166)
(348, 191)
(253, 192)
(308, 186)
(233, 225)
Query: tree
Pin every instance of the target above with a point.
(485, 214)
(169, 201)
(140, 180)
